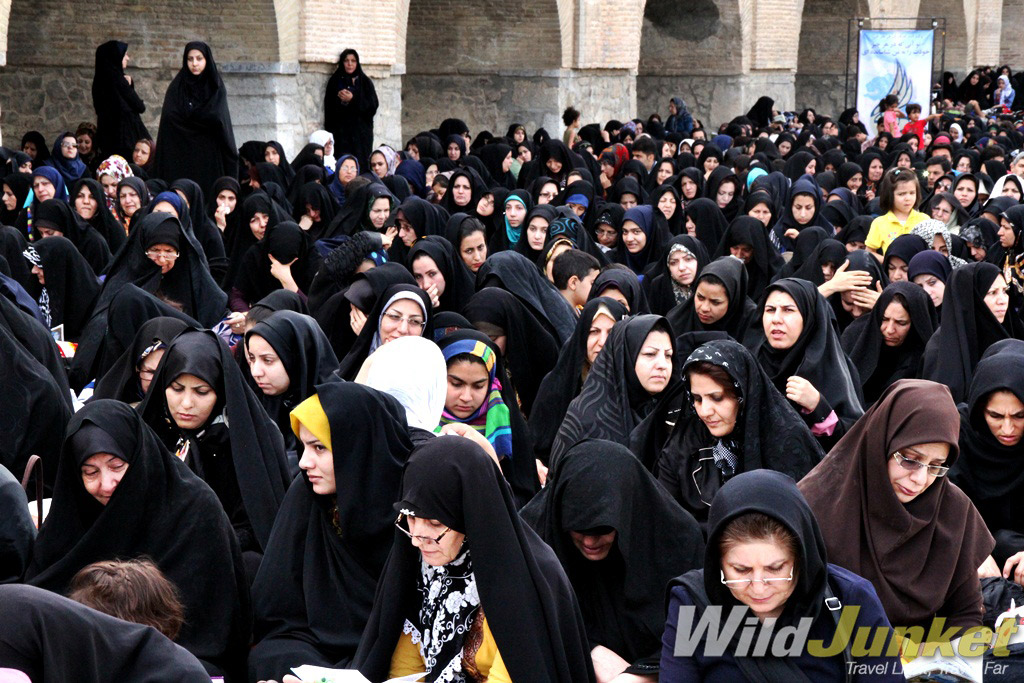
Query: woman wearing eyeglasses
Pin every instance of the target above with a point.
(314, 591)
(401, 311)
(888, 512)
(765, 555)
(470, 592)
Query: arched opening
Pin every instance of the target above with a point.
(47, 82)
(487, 63)
(826, 40)
(696, 55)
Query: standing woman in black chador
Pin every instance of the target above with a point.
(118, 108)
(196, 137)
(350, 104)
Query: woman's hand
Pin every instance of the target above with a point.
(387, 237)
(236, 321)
(542, 473)
(845, 280)
(866, 298)
(345, 96)
(356, 320)
(221, 217)
(989, 569)
(802, 393)
(792, 233)
(869, 194)
(1015, 576)
(607, 664)
(305, 222)
(435, 300)
(283, 273)
(465, 431)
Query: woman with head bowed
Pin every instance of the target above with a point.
(479, 396)
(766, 554)
(804, 248)
(624, 386)
(564, 382)
(516, 274)
(674, 281)
(594, 513)
(930, 270)
(734, 420)
(618, 282)
(128, 379)
(399, 311)
(798, 345)
(196, 137)
(976, 313)
(443, 604)
(48, 637)
(528, 349)
(888, 343)
(118, 107)
(203, 412)
(747, 240)
(314, 592)
(889, 514)
(69, 285)
(284, 259)
(989, 468)
(719, 302)
(120, 494)
(705, 221)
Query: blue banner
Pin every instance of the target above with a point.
(893, 63)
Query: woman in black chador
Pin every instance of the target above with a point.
(196, 138)
(350, 103)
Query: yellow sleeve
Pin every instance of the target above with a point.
(406, 658)
(874, 239)
(488, 659)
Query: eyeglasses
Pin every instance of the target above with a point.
(424, 540)
(397, 319)
(747, 583)
(69, 145)
(163, 255)
(549, 195)
(913, 465)
(146, 373)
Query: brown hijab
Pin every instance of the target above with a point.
(923, 556)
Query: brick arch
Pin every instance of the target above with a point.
(822, 54)
(489, 63)
(700, 54)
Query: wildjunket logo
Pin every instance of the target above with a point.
(754, 638)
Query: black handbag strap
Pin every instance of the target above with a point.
(835, 608)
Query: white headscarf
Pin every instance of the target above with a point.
(322, 137)
(412, 369)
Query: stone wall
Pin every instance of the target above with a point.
(713, 99)
(1011, 48)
